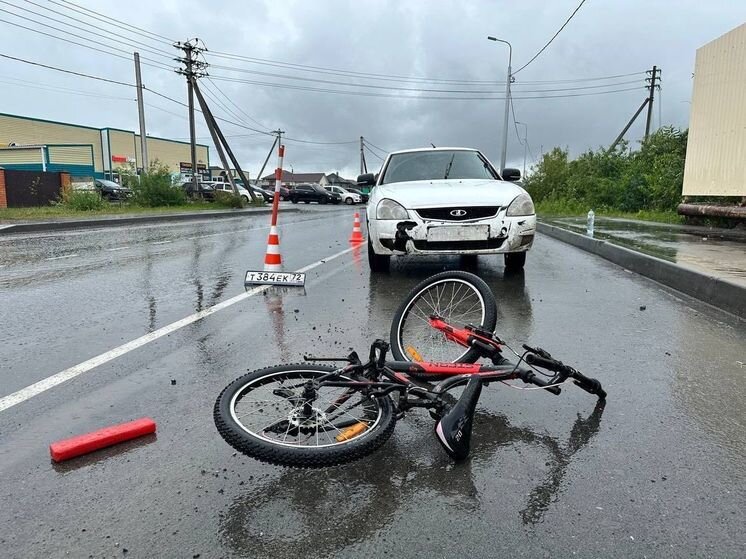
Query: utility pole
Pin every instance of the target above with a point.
(193, 68)
(271, 150)
(508, 81)
(654, 73)
(363, 165)
(648, 101)
(141, 115)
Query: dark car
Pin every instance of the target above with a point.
(111, 190)
(363, 195)
(284, 193)
(267, 195)
(204, 191)
(308, 193)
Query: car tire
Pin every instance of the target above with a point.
(349, 201)
(245, 199)
(515, 261)
(294, 200)
(323, 201)
(377, 262)
(335, 201)
(306, 201)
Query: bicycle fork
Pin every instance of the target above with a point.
(453, 430)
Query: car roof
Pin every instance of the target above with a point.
(432, 149)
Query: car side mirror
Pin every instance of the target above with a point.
(510, 174)
(368, 179)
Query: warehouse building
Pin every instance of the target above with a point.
(716, 148)
(44, 145)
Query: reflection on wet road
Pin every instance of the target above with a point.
(720, 252)
(658, 472)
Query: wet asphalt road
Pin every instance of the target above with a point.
(659, 472)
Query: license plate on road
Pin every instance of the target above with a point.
(275, 278)
(458, 233)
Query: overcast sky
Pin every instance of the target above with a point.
(443, 40)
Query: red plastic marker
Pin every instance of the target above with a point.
(108, 436)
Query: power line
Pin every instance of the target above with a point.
(515, 122)
(120, 40)
(138, 30)
(58, 89)
(373, 152)
(99, 78)
(579, 79)
(371, 146)
(155, 64)
(413, 97)
(395, 88)
(552, 39)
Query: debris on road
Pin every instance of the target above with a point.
(108, 436)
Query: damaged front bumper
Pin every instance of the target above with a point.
(496, 235)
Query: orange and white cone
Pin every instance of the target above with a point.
(273, 259)
(357, 234)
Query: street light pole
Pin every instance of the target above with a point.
(504, 152)
(525, 146)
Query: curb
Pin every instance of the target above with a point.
(132, 220)
(717, 292)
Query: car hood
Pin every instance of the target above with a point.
(460, 192)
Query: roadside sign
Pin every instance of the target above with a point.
(275, 278)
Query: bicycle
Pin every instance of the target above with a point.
(308, 415)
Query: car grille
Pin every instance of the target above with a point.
(469, 213)
(493, 243)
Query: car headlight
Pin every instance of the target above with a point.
(389, 209)
(521, 205)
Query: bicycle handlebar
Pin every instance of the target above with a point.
(529, 376)
(590, 385)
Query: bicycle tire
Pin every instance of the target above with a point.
(285, 454)
(478, 287)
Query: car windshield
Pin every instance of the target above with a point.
(437, 164)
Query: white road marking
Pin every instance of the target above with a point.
(162, 242)
(61, 257)
(117, 248)
(68, 374)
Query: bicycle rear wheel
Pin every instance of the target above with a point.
(459, 298)
(268, 415)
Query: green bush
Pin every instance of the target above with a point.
(155, 187)
(228, 200)
(83, 200)
(648, 179)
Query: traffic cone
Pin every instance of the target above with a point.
(273, 259)
(357, 234)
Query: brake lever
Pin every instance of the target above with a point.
(538, 351)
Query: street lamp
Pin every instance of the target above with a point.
(525, 146)
(504, 152)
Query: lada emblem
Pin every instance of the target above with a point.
(458, 213)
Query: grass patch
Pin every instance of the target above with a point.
(63, 211)
(565, 208)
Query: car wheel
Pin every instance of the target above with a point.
(245, 199)
(335, 201)
(349, 201)
(323, 201)
(515, 260)
(294, 200)
(377, 262)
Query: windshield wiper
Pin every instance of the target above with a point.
(450, 164)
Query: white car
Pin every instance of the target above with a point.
(348, 197)
(446, 201)
(220, 186)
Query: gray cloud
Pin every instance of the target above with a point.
(444, 39)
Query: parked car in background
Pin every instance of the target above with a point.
(347, 196)
(204, 190)
(308, 193)
(447, 201)
(110, 190)
(226, 187)
(363, 195)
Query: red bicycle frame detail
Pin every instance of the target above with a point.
(462, 336)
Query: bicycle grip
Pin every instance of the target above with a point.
(590, 385)
(530, 377)
(549, 364)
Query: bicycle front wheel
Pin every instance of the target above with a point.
(459, 298)
(280, 415)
